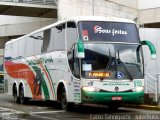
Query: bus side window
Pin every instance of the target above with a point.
(47, 47)
(29, 46)
(76, 68)
(71, 34)
(8, 51)
(59, 37)
(74, 64)
(71, 60)
(15, 50)
(22, 48)
(37, 42)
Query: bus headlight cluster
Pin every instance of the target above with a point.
(138, 89)
(91, 89)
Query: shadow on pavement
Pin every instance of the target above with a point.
(84, 109)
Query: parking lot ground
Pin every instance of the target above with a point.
(42, 110)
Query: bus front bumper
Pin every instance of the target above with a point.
(109, 97)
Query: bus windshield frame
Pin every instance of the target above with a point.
(112, 61)
(108, 31)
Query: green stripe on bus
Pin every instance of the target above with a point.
(44, 85)
(45, 89)
(50, 78)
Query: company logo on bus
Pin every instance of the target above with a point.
(99, 29)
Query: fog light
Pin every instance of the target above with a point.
(138, 89)
(91, 89)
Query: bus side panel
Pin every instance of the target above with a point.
(8, 84)
(64, 73)
(60, 73)
(57, 71)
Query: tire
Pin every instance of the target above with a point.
(23, 100)
(16, 98)
(64, 104)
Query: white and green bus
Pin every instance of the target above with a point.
(80, 60)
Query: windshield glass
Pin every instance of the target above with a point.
(108, 31)
(112, 61)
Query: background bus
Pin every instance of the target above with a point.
(79, 60)
(1, 82)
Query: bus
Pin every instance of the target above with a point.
(1, 82)
(89, 59)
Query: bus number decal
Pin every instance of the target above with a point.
(137, 83)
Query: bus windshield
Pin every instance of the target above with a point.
(112, 61)
(108, 31)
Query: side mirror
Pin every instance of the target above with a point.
(151, 48)
(80, 49)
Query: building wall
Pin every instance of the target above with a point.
(3, 40)
(129, 3)
(149, 11)
(148, 4)
(14, 25)
(119, 8)
(151, 15)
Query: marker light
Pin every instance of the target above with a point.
(138, 89)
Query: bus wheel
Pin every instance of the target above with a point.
(16, 98)
(64, 104)
(23, 100)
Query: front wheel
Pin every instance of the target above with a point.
(64, 104)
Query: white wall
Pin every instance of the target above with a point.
(5, 19)
(129, 3)
(118, 8)
(16, 25)
(147, 4)
(152, 66)
(149, 11)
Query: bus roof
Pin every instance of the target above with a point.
(77, 19)
(100, 18)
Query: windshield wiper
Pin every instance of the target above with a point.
(125, 68)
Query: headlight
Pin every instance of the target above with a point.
(138, 89)
(91, 89)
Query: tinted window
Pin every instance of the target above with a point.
(8, 51)
(71, 34)
(47, 42)
(15, 50)
(115, 61)
(22, 48)
(36, 43)
(59, 37)
(29, 46)
(108, 31)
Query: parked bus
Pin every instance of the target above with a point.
(1, 82)
(79, 60)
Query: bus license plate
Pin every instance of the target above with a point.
(117, 98)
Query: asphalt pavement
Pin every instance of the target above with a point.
(42, 110)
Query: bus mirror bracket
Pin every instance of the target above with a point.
(80, 49)
(151, 47)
